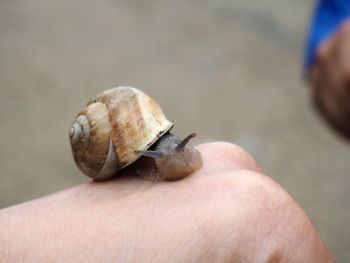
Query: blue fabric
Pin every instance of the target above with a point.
(328, 15)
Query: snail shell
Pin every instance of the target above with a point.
(108, 133)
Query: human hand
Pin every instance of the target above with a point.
(226, 212)
(329, 79)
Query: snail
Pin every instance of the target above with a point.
(118, 127)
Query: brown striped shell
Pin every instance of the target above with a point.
(108, 131)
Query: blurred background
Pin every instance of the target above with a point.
(226, 69)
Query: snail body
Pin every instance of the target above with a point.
(119, 126)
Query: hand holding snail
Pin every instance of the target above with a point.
(227, 212)
(122, 124)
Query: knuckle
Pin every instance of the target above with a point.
(258, 185)
(231, 153)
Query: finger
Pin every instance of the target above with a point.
(325, 81)
(327, 102)
(332, 79)
(222, 157)
(329, 60)
(321, 72)
(318, 82)
(338, 64)
(343, 48)
(321, 95)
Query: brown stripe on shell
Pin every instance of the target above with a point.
(136, 120)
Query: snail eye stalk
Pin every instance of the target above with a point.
(184, 142)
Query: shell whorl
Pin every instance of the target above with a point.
(80, 132)
(91, 142)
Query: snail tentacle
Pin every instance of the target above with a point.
(181, 146)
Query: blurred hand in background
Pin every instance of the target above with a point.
(329, 79)
(327, 61)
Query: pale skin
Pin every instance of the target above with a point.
(329, 79)
(226, 212)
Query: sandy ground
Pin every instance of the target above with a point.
(234, 67)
